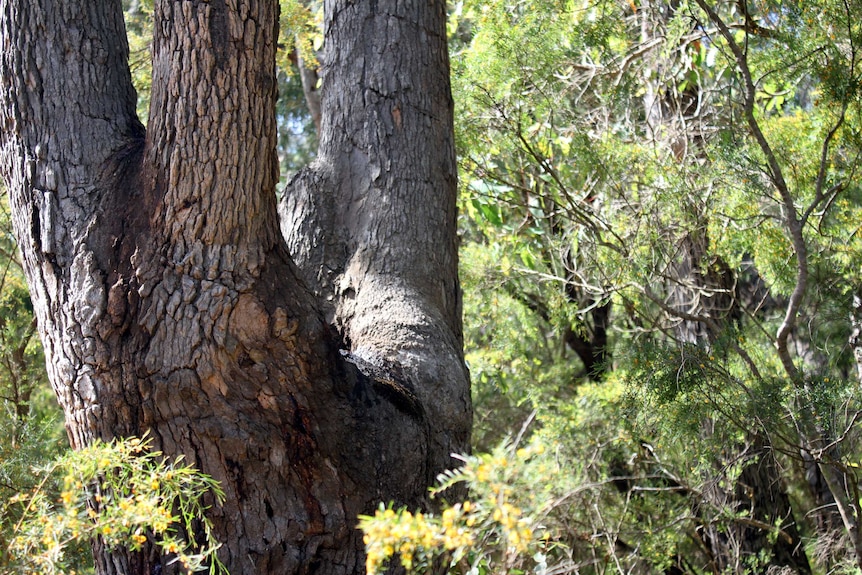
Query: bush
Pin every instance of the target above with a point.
(120, 492)
(501, 528)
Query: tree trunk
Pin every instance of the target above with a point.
(165, 294)
(372, 223)
(762, 506)
(856, 333)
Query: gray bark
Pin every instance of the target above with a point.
(166, 298)
(856, 333)
(372, 224)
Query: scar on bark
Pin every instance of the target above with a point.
(389, 382)
(122, 173)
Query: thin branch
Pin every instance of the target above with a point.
(793, 223)
(819, 194)
(709, 322)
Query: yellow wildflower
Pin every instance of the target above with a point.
(483, 472)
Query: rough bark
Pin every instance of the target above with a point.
(372, 224)
(166, 297)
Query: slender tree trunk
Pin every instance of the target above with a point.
(166, 298)
(856, 333)
(764, 533)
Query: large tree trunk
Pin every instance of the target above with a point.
(166, 297)
(372, 223)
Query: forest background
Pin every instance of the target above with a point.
(660, 256)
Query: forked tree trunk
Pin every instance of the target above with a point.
(166, 297)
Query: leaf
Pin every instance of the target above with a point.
(490, 213)
(527, 258)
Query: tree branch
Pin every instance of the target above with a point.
(792, 221)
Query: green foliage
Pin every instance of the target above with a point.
(304, 22)
(139, 30)
(301, 30)
(121, 493)
(691, 169)
(297, 136)
(22, 363)
(631, 177)
(633, 505)
(23, 445)
(31, 430)
(511, 353)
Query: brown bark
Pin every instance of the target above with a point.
(165, 295)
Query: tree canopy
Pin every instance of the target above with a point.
(662, 220)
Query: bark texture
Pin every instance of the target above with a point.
(372, 224)
(165, 294)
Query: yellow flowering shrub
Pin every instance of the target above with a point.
(497, 530)
(123, 493)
